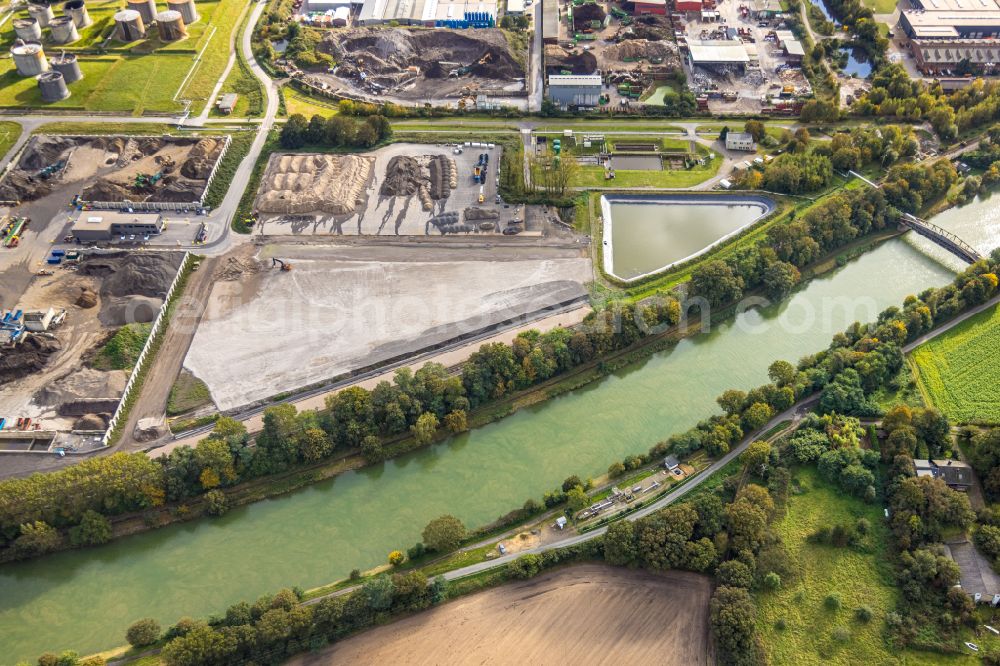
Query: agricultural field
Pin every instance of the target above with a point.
(143, 76)
(958, 371)
(587, 613)
(859, 576)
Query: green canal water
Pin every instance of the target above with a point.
(84, 600)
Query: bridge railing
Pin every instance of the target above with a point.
(913, 221)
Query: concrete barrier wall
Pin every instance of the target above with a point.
(143, 355)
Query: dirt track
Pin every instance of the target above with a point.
(587, 614)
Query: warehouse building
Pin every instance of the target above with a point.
(105, 226)
(935, 56)
(709, 53)
(550, 21)
(568, 90)
(951, 19)
(430, 13)
(651, 7)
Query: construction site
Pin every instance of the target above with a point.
(154, 171)
(61, 371)
(440, 66)
(400, 190)
(390, 301)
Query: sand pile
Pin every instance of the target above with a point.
(475, 213)
(333, 184)
(234, 269)
(123, 310)
(28, 357)
(84, 384)
(87, 298)
(430, 177)
(90, 422)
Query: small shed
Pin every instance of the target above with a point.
(671, 463)
(227, 103)
(561, 522)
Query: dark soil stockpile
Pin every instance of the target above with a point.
(385, 55)
(160, 169)
(585, 14)
(28, 357)
(558, 60)
(403, 177)
(133, 285)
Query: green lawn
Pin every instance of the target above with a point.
(958, 371)
(593, 176)
(880, 6)
(9, 134)
(297, 102)
(859, 577)
(143, 76)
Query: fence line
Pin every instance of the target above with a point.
(157, 324)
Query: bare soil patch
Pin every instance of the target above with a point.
(586, 614)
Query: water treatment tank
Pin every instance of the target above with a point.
(28, 29)
(67, 65)
(129, 25)
(170, 25)
(146, 9)
(63, 30)
(52, 86)
(41, 13)
(29, 58)
(78, 10)
(186, 8)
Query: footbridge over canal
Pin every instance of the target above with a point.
(942, 237)
(936, 234)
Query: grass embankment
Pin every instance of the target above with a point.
(857, 575)
(958, 371)
(301, 103)
(239, 148)
(187, 393)
(242, 81)
(593, 176)
(226, 17)
(122, 351)
(9, 134)
(141, 77)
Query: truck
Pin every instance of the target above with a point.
(477, 173)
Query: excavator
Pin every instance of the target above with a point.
(285, 266)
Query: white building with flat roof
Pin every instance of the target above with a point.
(575, 90)
(740, 141)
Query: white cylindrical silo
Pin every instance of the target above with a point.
(52, 87)
(187, 10)
(67, 65)
(28, 29)
(146, 9)
(41, 13)
(170, 25)
(63, 30)
(129, 26)
(29, 58)
(77, 9)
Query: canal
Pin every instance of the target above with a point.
(84, 600)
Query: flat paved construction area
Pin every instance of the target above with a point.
(377, 213)
(345, 307)
(586, 614)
